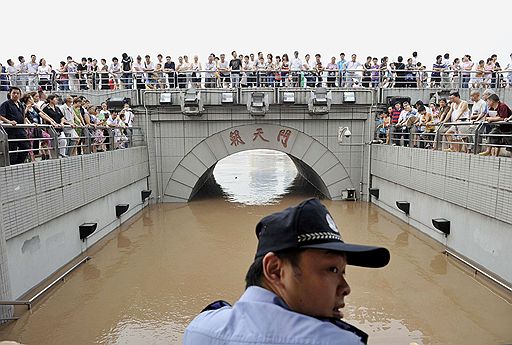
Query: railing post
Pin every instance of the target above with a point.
(111, 139)
(4, 148)
(55, 139)
(476, 148)
(438, 138)
(129, 132)
(88, 140)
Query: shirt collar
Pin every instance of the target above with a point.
(258, 294)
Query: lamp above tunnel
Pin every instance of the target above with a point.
(319, 101)
(191, 102)
(257, 103)
(166, 98)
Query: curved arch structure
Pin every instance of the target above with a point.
(313, 160)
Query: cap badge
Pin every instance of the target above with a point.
(331, 223)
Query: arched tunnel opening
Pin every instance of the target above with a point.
(259, 177)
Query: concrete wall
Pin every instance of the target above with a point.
(474, 193)
(42, 204)
(174, 135)
(331, 176)
(39, 252)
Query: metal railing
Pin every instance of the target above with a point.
(49, 142)
(374, 77)
(467, 136)
(31, 301)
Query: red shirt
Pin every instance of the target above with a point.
(395, 115)
(503, 110)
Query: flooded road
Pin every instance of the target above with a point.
(149, 278)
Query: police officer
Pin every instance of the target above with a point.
(295, 288)
(12, 112)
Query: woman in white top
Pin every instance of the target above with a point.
(196, 72)
(467, 66)
(44, 72)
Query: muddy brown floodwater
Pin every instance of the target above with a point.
(149, 278)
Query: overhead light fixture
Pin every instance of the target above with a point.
(86, 229)
(288, 97)
(349, 97)
(117, 103)
(227, 97)
(257, 103)
(166, 98)
(191, 103)
(319, 101)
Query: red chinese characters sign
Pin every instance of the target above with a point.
(259, 134)
(283, 136)
(235, 138)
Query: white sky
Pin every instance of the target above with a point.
(108, 28)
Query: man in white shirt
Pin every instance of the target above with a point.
(128, 115)
(251, 66)
(350, 68)
(407, 118)
(295, 68)
(211, 68)
(32, 72)
(224, 71)
(149, 67)
(479, 111)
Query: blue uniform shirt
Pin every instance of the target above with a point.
(261, 317)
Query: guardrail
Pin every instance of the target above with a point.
(259, 76)
(467, 136)
(49, 142)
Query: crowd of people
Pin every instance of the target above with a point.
(450, 125)
(253, 70)
(71, 120)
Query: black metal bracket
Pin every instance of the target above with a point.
(403, 206)
(121, 208)
(86, 229)
(442, 225)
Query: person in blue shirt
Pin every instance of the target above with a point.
(295, 288)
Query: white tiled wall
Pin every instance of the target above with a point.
(481, 184)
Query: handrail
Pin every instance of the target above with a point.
(477, 270)
(168, 79)
(29, 302)
(92, 138)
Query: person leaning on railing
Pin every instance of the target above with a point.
(459, 112)
(479, 111)
(498, 111)
(12, 112)
(444, 117)
(57, 120)
(33, 116)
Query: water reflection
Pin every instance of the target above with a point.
(256, 177)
